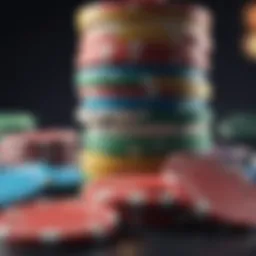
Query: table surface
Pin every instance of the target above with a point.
(161, 244)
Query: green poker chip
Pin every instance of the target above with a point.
(239, 127)
(121, 146)
(184, 116)
(16, 121)
(130, 74)
(91, 79)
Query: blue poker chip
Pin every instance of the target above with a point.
(126, 73)
(21, 183)
(151, 69)
(137, 104)
(64, 177)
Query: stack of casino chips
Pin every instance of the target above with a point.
(142, 80)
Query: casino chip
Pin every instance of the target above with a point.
(108, 50)
(89, 16)
(226, 196)
(239, 128)
(16, 122)
(134, 74)
(142, 199)
(21, 183)
(97, 166)
(119, 117)
(54, 146)
(58, 222)
(64, 177)
(175, 88)
(155, 144)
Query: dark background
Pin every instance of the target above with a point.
(37, 58)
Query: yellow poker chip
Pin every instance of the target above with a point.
(89, 15)
(99, 166)
(183, 88)
(141, 32)
(177, 88)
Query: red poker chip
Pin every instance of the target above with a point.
(145, 199)
(54, 145)
(226, 195)
(113, 50)
(52, 222)
(116, 92)
(123, 91)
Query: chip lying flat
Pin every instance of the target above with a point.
(142, 198)
(21, 183)
(58, 221)
(228, 197)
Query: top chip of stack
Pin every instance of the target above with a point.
(16, 121)
(132, 12)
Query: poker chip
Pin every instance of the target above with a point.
(146, 131)
(21, 183)
(108, 50)
(178, 89)
(225, 194)
(97, 166)
(132, 74)
(238, 128)
(134, 104)
(16, 122)
(53, 146)
(142, 30)
(157, 144)
(193, 115)
(142, 199)
(150, 82)
(61, 221)
(103, 13)
(64, 177)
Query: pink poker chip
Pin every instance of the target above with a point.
(56, 146)
(225, 193)
(110, 49)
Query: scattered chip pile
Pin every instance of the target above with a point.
(141, 76)
(41, 162)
